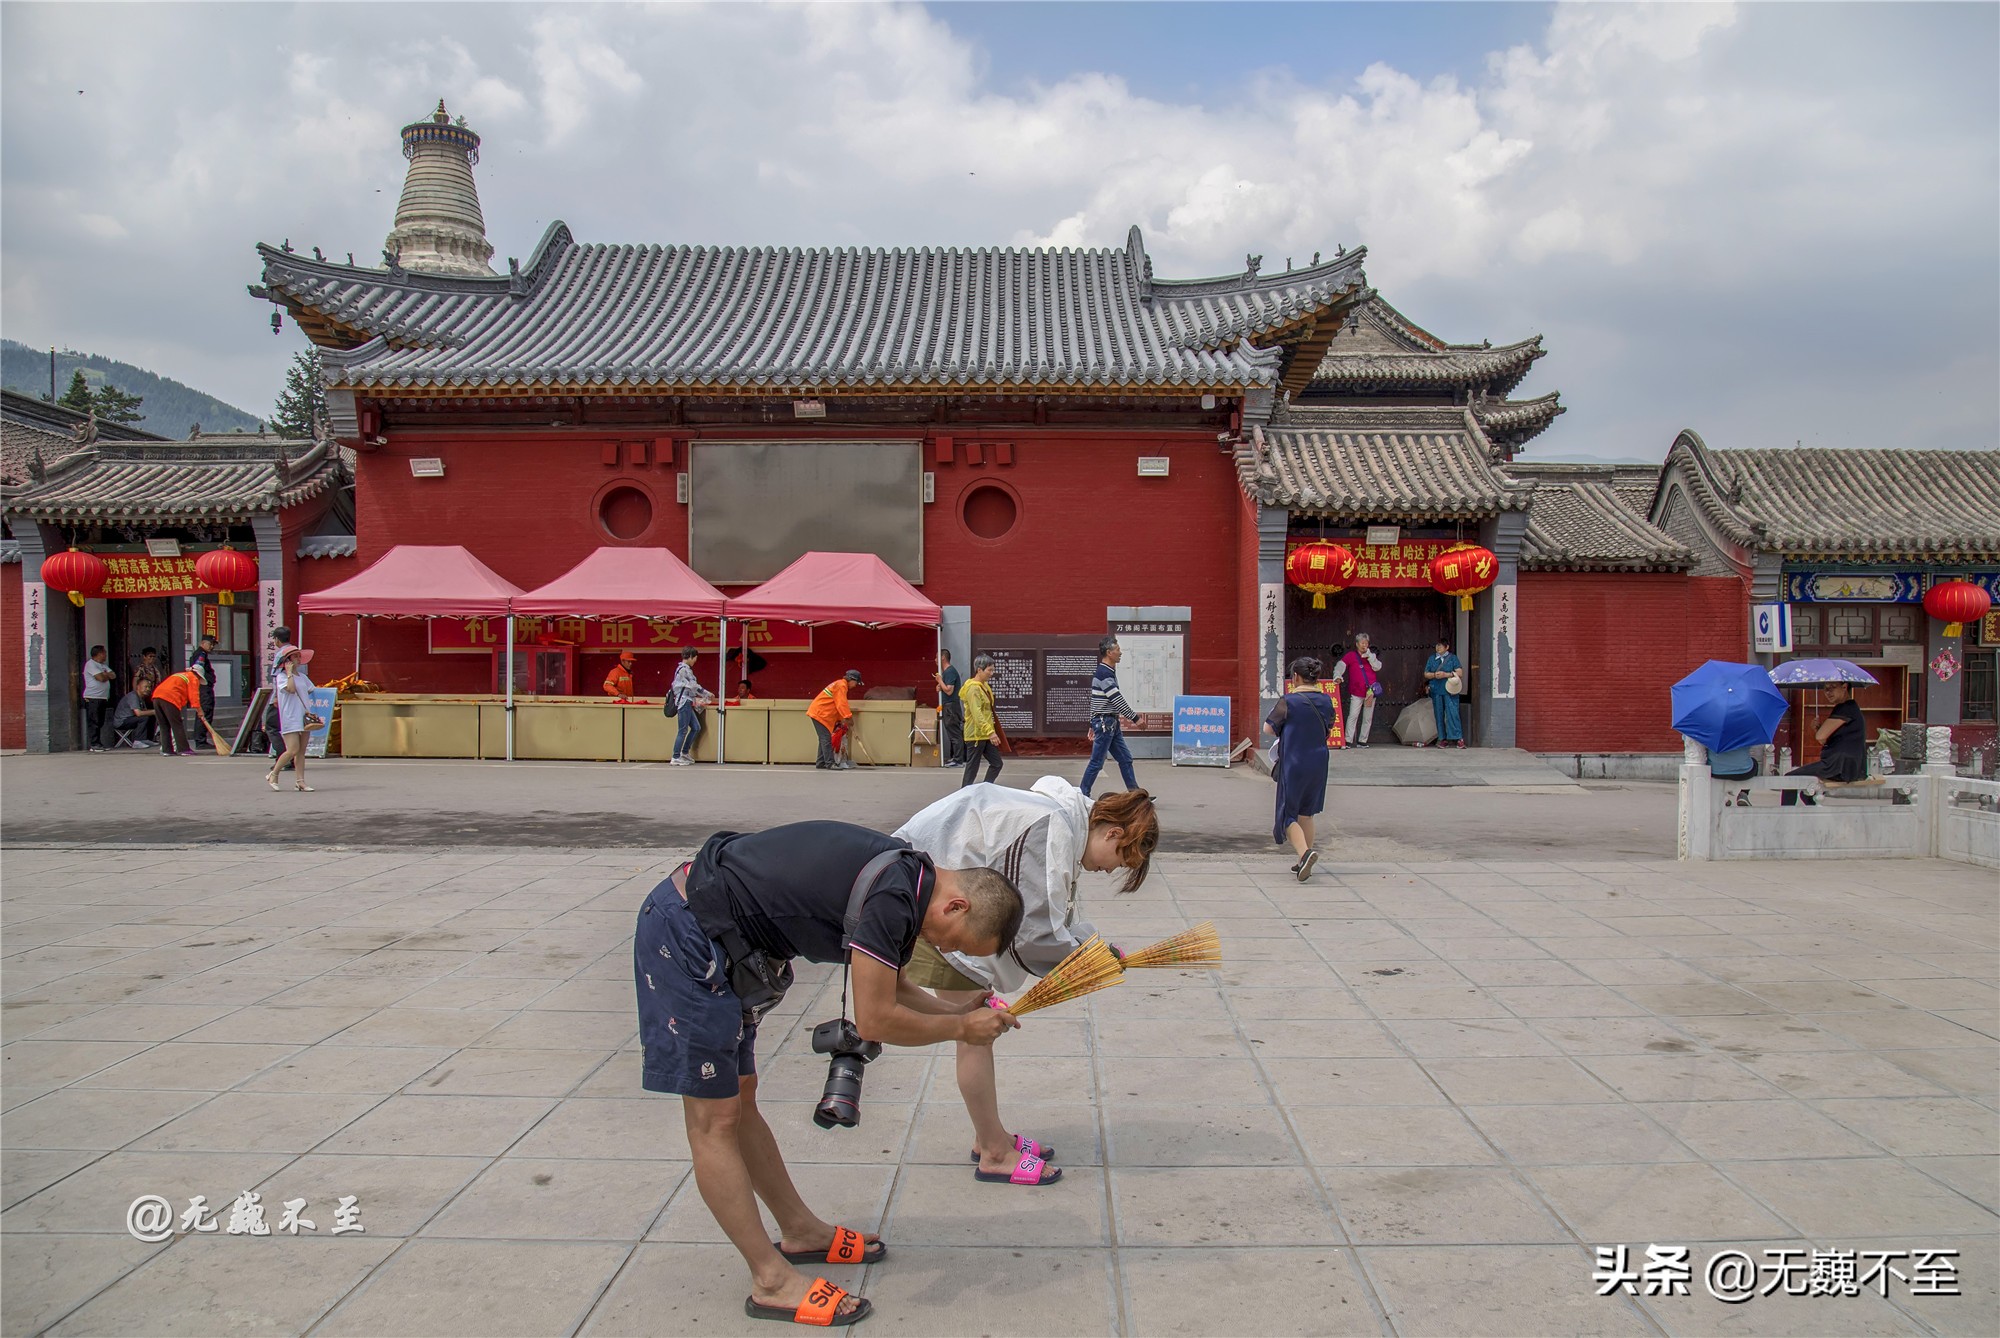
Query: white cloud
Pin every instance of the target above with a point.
(1771, 223)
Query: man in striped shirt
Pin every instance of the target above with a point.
(1108, 712)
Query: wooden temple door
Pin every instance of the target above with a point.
(1402, 626)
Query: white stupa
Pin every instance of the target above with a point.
(439, 229)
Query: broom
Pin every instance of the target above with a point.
(1090, 968)
(1199, 946)
(221, 744)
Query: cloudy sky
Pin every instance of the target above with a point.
(1769, 222)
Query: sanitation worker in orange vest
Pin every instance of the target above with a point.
(618, 683)
(176, 693)
(830, 712)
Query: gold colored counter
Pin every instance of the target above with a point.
(599, 729)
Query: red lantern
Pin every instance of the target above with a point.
(1955, 603)
(78, 574)
(1463, 571)
(226, 571)
(1321, 568)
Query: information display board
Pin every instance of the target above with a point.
(1013, 684)
(1041, 684)
(1066, 690)
(1201, 732)
(1152, 671)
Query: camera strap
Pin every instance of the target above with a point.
(864, 883)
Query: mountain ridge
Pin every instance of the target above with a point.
(171, 408)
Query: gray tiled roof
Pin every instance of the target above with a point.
(777, 319)
(212, 478)
(1581, 525)
(1381, 348)
(31, 427)
(10, 553)
(328, 546)
(1367, 461)
(1855, 502)
(21, 443)
(1517, 421)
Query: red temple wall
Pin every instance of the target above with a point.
(1600, 650)
(13, 659)
(1089, 534)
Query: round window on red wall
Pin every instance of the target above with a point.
(990, 511)
(625, 512)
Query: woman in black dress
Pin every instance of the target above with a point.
(1843, 744)
(1301, 720)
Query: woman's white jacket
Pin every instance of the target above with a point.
(1035, 838)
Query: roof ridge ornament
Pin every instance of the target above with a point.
(1142, 264)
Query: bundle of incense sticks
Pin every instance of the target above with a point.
(1199, 946)
(1090, 968)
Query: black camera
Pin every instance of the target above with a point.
(840, 1101)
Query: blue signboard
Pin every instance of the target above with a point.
(321, 702)
(1201, 732)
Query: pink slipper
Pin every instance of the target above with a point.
(1030, 1171)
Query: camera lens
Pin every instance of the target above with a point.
(840, 1102)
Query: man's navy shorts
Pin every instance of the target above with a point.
(697, 1041)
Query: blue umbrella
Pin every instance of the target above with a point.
(1807, 673)
(1727, 706)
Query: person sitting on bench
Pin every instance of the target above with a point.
(1843, 744)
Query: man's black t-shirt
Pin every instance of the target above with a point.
(1849, 743)
(787, 890)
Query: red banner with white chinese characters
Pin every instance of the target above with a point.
(139, 576)
(450, 636)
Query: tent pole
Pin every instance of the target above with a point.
(357, 644)
(510, 685)
(721, 689)
(937, 663)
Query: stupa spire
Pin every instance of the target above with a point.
(439, 228)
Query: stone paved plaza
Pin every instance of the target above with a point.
(1414, 1102)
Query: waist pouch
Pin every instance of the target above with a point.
(758, 978)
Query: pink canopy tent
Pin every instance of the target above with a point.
(823, 588)
(625, 583)
(419, 581)
(425, 581)
(839, 588)
(633, 583)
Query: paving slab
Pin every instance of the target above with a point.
(1416, 1099)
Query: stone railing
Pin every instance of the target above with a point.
(1933, 813)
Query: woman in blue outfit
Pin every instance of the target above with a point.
(1438, 670)
(1301, 720)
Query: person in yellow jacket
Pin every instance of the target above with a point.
(618, 683)
(829, 712)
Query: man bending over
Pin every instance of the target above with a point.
(712, 954)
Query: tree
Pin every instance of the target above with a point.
(303, 400)
(115, 406)
(78, 397)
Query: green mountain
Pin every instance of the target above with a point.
(171, 408)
